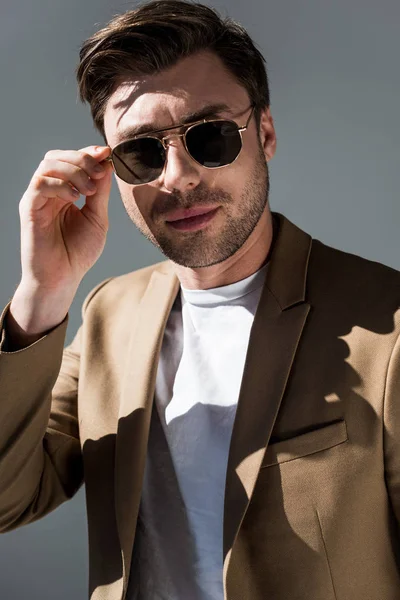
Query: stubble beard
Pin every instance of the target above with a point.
(198, 249)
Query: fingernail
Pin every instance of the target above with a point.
(97, 149)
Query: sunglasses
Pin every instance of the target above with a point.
(212, 144)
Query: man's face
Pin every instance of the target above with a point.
(238, 192)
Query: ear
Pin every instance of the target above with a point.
(267, 133)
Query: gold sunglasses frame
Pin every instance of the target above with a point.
(187, 127)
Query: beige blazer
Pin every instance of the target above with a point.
(312, 504)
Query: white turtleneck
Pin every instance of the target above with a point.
(197, 388)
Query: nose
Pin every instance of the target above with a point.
(180, 172)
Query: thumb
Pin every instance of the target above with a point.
(97, 204)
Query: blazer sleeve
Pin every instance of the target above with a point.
(41, 463)
(391, 430)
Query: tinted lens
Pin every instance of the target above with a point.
(139, 161)
(214, 144)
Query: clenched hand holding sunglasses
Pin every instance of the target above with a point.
(211, 143)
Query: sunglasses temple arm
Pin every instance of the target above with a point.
(244, 127)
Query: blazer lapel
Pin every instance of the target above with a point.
(136, 404)
(274, 338)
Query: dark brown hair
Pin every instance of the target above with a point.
(154, 37)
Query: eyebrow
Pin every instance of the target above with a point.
(211, 110)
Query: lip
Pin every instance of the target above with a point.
(194, 222)
(185, 213)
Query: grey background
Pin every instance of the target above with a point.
(335, 91)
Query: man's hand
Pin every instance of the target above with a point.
(59, 241)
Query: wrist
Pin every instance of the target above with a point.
(33, 311)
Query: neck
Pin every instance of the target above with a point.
(246, 261)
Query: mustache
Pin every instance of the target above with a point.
(201, 196)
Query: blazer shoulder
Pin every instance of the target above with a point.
(335, 260)
(114, 290)
(351, 284)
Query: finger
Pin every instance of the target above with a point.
(98, 150)
(85, 158)
(43, 188)
(99, 153)
(51, 167)
(78, 167)
(97, 203)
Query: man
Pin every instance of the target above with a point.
(233, 410)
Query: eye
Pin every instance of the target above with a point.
(228, 129)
